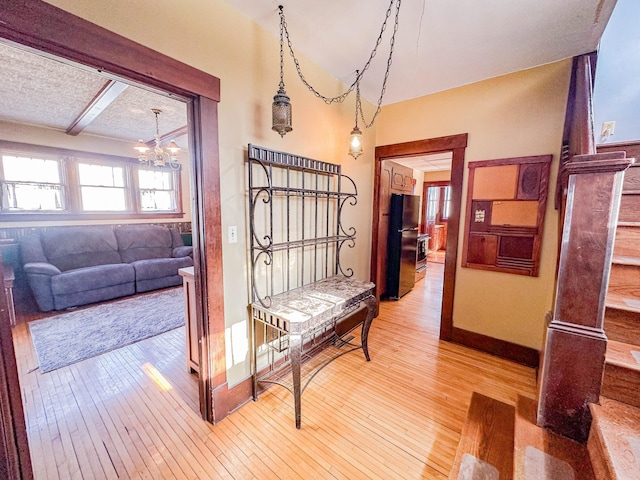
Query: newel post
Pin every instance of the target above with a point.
(574, 354)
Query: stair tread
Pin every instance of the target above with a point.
(615, 437)
(615, 300)
(623, 355)
(622, 325)
(566, 452)
(629, 224)
(626, 260)
(487, 436)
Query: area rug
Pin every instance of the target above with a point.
(70, 337)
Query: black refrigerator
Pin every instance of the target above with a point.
(402, 244)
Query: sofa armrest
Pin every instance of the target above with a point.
(182, 252)
(39, 275)
(41, 268)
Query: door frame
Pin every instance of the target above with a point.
(51, 31)
(456, 144)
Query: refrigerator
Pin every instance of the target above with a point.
(402, 244)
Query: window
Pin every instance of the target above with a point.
(446, 202)
(31, 184)
(69, 184)
(433, 201)
(102, 188)
(157, 190)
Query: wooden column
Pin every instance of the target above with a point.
(573, 359)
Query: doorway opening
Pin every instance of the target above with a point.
(45, 28)
(451, 148)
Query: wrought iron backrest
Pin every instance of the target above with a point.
(295, 210)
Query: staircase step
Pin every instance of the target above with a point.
(622, 325)
(625, 280)
(627, 241)
(622, 302)
(622, 373)
(629, 208)
(543, 455)
(626, 260)
(485, 450)
(614, 441)
(631, 179)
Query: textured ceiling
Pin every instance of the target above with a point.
(435, 162)
(40, 91)
(440, 44)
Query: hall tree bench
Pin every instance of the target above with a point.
(302, 297)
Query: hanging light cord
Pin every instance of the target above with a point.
(355, 84)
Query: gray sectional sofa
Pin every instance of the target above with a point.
(72, 266)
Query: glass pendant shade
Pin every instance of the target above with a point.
(355, 143)
(281, 112)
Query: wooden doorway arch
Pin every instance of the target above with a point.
(54, 32)
(456, 144)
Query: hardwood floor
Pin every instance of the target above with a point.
(398, 416)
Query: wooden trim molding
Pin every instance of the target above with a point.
(501, 348)
(44, 27)
(15, 460)
(457, 145)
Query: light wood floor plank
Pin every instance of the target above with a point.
(396, 417)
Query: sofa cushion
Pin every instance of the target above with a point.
(142, 242)
(160, 267)
(69, 248)
(92, 278)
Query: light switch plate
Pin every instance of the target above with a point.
(233, 234)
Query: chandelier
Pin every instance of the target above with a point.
(156, 157)
(281, 108)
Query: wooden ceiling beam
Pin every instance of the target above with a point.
(107, 94)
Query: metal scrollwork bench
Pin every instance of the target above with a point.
(300, 291)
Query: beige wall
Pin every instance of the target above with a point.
(439, 176)
(213, 37)
(50, 137)
(514, 115)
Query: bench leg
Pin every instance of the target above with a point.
(254, 360)
(295, 352)
(372, 310)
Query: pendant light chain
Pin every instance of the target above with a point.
(341, 98)
(282, 26)
(384, 82)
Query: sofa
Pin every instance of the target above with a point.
(72, 266)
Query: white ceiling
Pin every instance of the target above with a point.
(440, 44)
(434, 162)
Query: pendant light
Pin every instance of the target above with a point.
(282, 104)
(281, 108)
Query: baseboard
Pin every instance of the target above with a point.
(239, 394)
(501, 348)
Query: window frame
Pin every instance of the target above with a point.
(71, 186)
